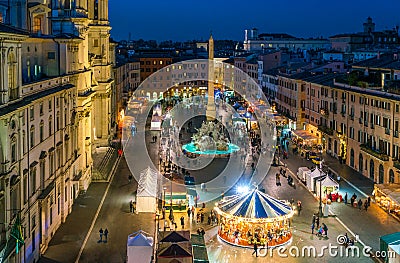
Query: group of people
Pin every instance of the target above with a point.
(360, 203)
(103, 233)
(321, 230)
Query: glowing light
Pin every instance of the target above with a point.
(242, 189)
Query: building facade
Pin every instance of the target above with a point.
(55, 107)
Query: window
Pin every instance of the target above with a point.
(50, 107)
(51, 55)
(32, 113)
(32, 136)
(41, 132)
(41, 109)
(50, 125)
(33, 180)
(58, 121)
(37, 22)
(12, 76)
(13, 150)
(95, 42)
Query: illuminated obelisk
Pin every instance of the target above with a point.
(211, 113)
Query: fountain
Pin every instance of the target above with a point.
(210, 139)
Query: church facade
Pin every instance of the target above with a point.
(56, 90)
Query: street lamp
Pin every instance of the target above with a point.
(248, 116)
(320, 198)
(171, 211)
(164, 188)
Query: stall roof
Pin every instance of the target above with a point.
(391, 190)
(316, 173)
(393, 238)
(327, 181)
(305, 135)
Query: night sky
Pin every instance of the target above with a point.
(180, 20)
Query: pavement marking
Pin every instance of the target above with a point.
(97, 213)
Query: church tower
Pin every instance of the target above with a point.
(211, 113)
(369, 26)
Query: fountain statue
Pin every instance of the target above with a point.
(209, 137)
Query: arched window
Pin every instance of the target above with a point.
(352, 158)
(13, 149)
(381, 174)
(391, 177)
(371, 170)
(360, 163)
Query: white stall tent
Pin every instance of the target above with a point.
(139, 248)
(148, 191)
(394, 250)
(302, 173)
(327, 184)
(312, 176)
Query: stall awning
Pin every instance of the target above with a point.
(305, 135)
(390, 190)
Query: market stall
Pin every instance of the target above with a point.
(139, 247)
(387, 196)
(254, 217)
(303, 137)
(328, 188)
(312, 177)
(302, 173)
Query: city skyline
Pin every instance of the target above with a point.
(175, 20)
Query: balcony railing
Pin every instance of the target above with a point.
(387, 131)
(375, 153)
(396, 134)
(325, 129)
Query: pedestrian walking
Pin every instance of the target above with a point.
(369, 200)
(101, 234)
(313, 219)
(317, 221)
(182, 222)
(299, 206)
(131, 206)
(189, 212)
(345, 198)
(359, 204)
(366, 205)
(105, 235)
(252, 166)
(255, 248)
(312, 228)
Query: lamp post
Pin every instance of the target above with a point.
(320, 198)
(164, 188)
(248, 116)
(171, 211)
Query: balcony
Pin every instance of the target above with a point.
(360, 120)
(325, 129)
(387, 131)
(375, 153)
(396, 134)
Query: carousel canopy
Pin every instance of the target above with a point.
(254, 205)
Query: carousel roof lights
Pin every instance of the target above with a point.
(254, 206)
(242, 189)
